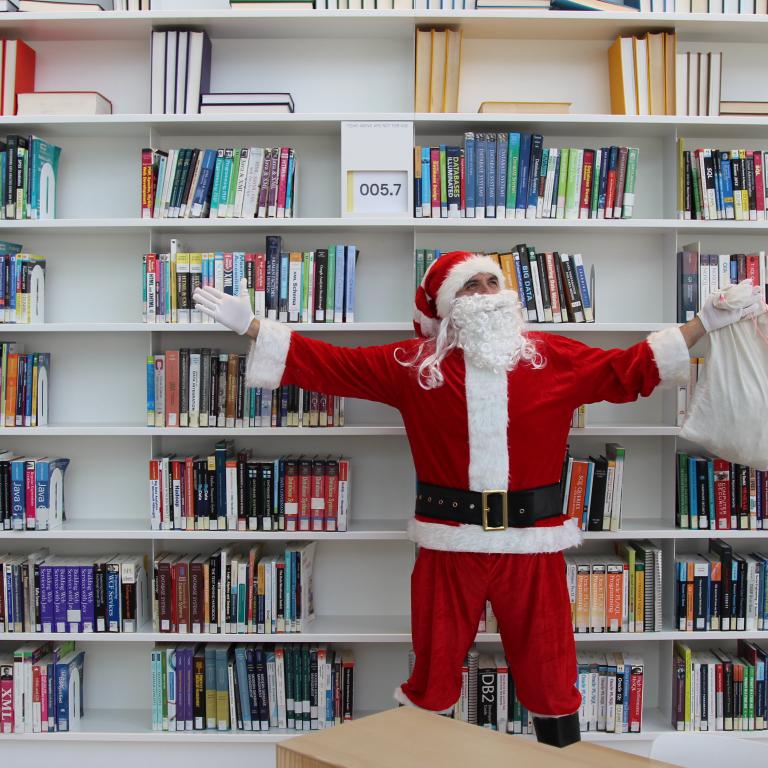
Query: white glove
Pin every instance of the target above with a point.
(731, 304)
(232, 311)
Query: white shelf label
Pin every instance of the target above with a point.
(377, 192)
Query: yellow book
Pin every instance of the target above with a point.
(656, 72)
(195, 281)
(621, 75)
(452, 70)
(437, 91)
(525, 107)
(423, 76)
(670, 78)
(508, 268)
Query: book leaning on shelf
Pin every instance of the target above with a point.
(234, 591)
(716, 494)
(616, 593)
(721, 184)
(22, 287)
(719, 690)
(49, 593)
(28, 172)
(592, 489)
(202, 388)
(513, 176)
(552, 287)
(41, 688)
(224, 687)
(31, 492)
(228, 183)
(311, 286)
(699, 275)
(24, 382)
(237, 492)
(611, 686)
(701, 583)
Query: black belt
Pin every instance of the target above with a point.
(494, 510)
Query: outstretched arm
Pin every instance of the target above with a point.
(279, 356)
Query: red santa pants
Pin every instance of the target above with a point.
(529, 596)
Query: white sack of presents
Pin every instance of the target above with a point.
(728, 415)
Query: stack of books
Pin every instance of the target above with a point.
(28, 173)
(593, 489)
(642, 74)
(245, 103)
(513, 176)
(721, 184)
(63, 103)
(615, 593)
(222, 687)
(697, 90)
(23, 386)
(180, 71)
(39, 511)
(41, 688)
(230, 490)
(22, 287)
(438, 66)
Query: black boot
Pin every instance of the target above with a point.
(557, 731)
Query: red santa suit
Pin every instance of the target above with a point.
(481, 430)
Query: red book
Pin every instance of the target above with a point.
(753, 268)
(434, 177)
(177, 495)
(577, 490)
(636, 698)
(6, 699)
(586, 183)
(172, 388)
(189, 492)
(18, 73)
(282, 182)
(759, 185)
(165, 595)
(331, 494)
(147, 177)
(344, 477)
(36, 697)
(317, 501)
(291, 495)
(197, 595)
(722, 495)
(305, 494)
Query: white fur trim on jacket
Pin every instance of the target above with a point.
(266, 357)
(401, 698)
(472, 538)
(672, 356)
(487, 417)
(455, 279)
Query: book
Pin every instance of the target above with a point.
(525, 107)
(53, 6)
(63, 103)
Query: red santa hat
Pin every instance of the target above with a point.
(442, 281)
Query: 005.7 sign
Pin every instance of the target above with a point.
(377, 192)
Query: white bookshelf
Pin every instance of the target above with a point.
(345, 65)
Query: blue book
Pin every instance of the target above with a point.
(603, 183)
(46, 598)
(482, 171)
(522, 175)
(287, 591)
(226, 181)
(490, 176)
(87, 608)
(727, 185)
(60, 596)
(426, 196)
(340, 277)
(218, 172)
(542, 175)
(537, 147)
(502, 150)
(113, 596)
(555, 183)
(222, 683)
(73, 598)
(734, 271)
(202, 196)
(151, 391)
(587, 495)
(349, 294)
(69, 689)
(719, 203)
(210, 682)
(12, 288)
(242, 683)
(29, 375)
(238, 271)
(282, 303)
(513, 171)
(471, 175)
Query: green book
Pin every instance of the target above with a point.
(513, 168)
(330, 290)
(542, 176)
(683, 520)
(305, 272)
(233, 182)
(216, 186)
(443, 182)
(419, 266)
(629, 185)
(562, 181)
(572, 186)
(697, 210)
(226, 178)
(595, 193)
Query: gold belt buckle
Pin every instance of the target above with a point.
(504, 511)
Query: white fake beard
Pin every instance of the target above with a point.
(489, 329)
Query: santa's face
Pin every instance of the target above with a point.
(482, 282)
(489, 325)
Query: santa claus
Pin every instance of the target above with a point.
(487, 407)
